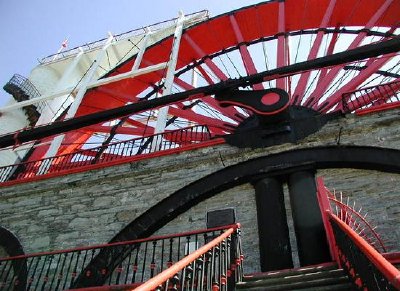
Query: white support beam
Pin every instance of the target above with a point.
(142, 49)
(127, 75)
(47, 115)
(57, 141)
(93, 84)
(88, 78)
(169, 78)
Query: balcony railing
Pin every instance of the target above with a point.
(126, 35)
(175, 139)
(134, 262)
(19, 83)
(372, 98)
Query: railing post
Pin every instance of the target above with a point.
(325, 207)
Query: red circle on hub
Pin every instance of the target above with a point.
(270, 98)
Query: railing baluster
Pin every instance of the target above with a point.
(7, 267)
(128, 266)
(41, 273)
(144, 260)
(46, 276)
(60, 273)
(136, 264)
(153, 262)
(62, 270)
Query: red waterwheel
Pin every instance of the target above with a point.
(241, 43)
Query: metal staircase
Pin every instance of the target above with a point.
(321, 277)
(22, 89)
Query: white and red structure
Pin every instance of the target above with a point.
(268, 74)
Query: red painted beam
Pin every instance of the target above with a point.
(244, 52)
(282, 59)
(304, 78)
(333, 73)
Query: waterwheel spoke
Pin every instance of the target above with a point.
(304, 78)
(319, 91)
(244, 52)
(282, 58)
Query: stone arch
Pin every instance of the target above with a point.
(12, 247)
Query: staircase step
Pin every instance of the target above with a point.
(292, 285)
(322, 277)
(290, 272)
(332, 274)
(318, 284)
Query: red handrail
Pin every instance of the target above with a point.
(386, 268)
(160, 237)
(362, 218)
(170, 272)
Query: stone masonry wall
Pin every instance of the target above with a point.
(91, 207)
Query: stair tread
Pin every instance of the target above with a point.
(294, 284)
(299, 278)
(336, 287)
(292, 272)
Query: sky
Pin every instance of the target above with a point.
(33, 29)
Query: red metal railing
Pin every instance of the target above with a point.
(134, 262)
(354, 244)
(368, 268)
(176, 139)
(215, 266)
(348, 213)
(374, 98)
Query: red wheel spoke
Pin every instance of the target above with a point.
(122, 130)
(200, 53)
(333, 73)
(244, 52)
(304, 78)
(282, 58)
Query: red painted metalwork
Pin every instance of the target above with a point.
(63, 267)
(390, 272)
(304, 78)
(165, 276)
(281, 47)
(112, 154)
(349, 215)
(246, 57)
(323, 200)
(329, 22)
(373, 98)
(333, 73)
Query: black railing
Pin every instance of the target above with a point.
(18, 84)
(367, 268)
(142, 260)
(370, 97)
(169, 140)
(215, 266)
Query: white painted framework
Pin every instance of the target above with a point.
(73, 92)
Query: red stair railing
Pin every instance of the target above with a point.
(215, 266)
(368, 268)
(355, 245)
(135, 261)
